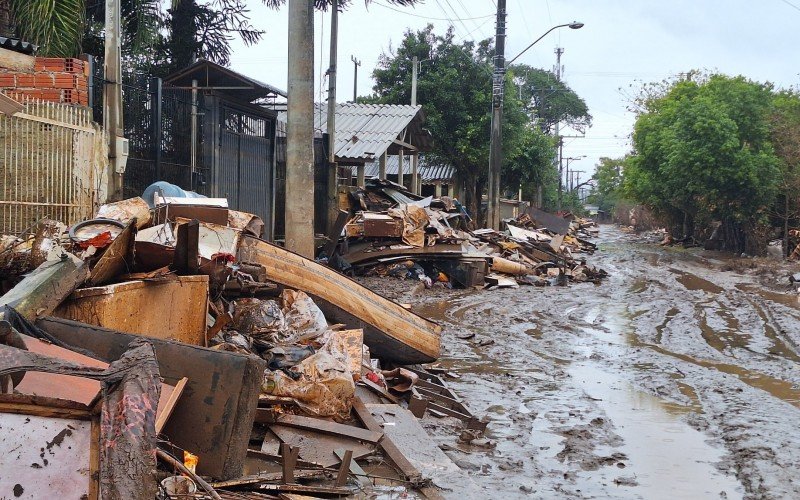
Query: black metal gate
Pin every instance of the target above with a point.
(161, 123)
(245, 172)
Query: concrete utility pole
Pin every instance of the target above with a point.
(112, 98)
(333, 178)
(415, 184)
(356, 64)
(559, 51)
(415, 62)
(496, 146)
(299, 208)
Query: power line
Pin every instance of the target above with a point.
(429, 17)
(466, 30)
(790, 4)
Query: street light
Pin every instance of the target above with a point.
(498, 82)
(575, 25)
(569, 159)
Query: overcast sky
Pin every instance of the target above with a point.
(623, 42)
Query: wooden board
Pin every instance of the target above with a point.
(328, 427)
(167, 310)
(391, 332)
(417, 446)
(318, 447)
(169, 402)
(45, 288)
(116, 259)
(45, 457)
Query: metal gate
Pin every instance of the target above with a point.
(246, 167)
(52, 165)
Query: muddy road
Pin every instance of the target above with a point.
(678, 377)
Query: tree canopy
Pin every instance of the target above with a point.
(550, 100)
(702, 150)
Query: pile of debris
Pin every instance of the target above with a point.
(166, 351)
(396, 233)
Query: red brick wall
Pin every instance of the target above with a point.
(53, 79)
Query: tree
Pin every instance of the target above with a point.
(702, 152)
(608, 183)
(785, 135)
(204, 29)
(56, 26)
(455, 90)
(550, 100)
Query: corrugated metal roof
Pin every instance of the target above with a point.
(17, 45)
(365, 131)
(428, 173)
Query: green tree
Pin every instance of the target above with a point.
(455, 91)
(549, 100)
(785, 135)
(607, 178)
(702, 152)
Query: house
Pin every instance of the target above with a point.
(433, 180)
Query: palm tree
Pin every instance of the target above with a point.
(60, 27)
(55, 26)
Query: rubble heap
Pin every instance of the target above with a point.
(174, 354)
(395, 233)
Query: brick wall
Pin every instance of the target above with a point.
(52, 79)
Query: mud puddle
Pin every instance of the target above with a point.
(661, 447)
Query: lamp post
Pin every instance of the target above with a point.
(498, 82)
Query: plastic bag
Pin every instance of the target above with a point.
(324, 387)
(261, 319)
(302, 314)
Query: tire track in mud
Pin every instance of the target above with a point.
(584, 385)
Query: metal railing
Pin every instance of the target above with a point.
(52, 163)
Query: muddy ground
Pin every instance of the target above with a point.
(676, 378)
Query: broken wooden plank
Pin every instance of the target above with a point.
(387, 445)
(328, 427)
(422, 452)
(265, 477)
(169, 404)
(304, 488)
(116, 259)
(319, 448)
(390, 331)
(356, 469)
(41, 291)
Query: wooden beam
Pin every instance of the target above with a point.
(328, 427)
(391, 449)
(404, 145)
(45, 288)
(390, 331)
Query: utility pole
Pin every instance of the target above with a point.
(559, 51)
(299, 208)
(333, 178)
(112, 99)
(496, 146)
(415, 62)
(415, 184)
(356, 64)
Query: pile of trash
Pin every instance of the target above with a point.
(395, 233)
(163, 350)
